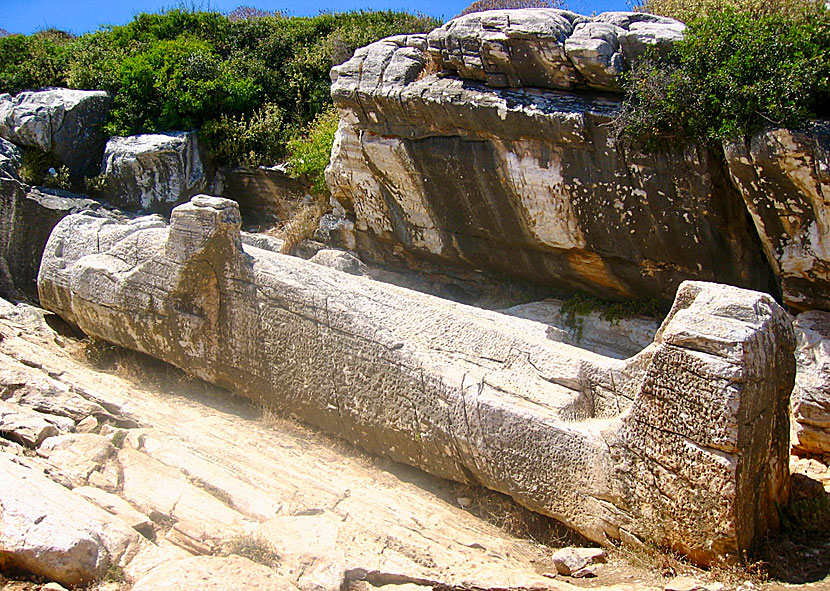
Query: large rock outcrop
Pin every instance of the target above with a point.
(152, 172)
(27, 216)
(526, 181)
(548, 48)
(60, 121)
(811, 395)
(784, 176)
(684, 445)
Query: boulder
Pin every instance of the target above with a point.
(212, 573)
(811, 395)
(47, 530)
(604, 47)
(60, 121)
(506, 48)
(24, 426)
(152, 172)
(79, 455)
(684, 445)
(11, 157)
(569, 561)
(546, 48)
(27, 216)
(784, 177)
(528, 183)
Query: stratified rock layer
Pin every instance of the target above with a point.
(60, 121)
(684, 444)
(527, 182)
(784, 176)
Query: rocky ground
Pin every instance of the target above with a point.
(121, 472)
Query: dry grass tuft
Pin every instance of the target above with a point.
(302, 225)
(253, 548)
(515, 520)
(432, 66)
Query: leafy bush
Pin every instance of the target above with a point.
(309, 153)
(234, 77)
(482, 5)
(689, 10)
(249, 141)
(34, 61)
(735, 72)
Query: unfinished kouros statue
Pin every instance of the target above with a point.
(684, 444)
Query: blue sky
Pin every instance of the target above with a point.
(80, 16)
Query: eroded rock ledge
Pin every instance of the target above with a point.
(527, 181)
(684, 444)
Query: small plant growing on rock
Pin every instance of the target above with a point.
(253, 548)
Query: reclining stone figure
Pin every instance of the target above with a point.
(684, 445)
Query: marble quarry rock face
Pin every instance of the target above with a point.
(527, 181)
(684, 444)
(784, 177)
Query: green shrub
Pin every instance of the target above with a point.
(309, 153)
(689, 10)
(247, 140)
(735, 72)
(233, 76)
(177, 84)
(35, 61)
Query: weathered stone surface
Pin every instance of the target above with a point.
(265, 195)
(60, 121)
(528, 183)
(152, 172)
(27, 216)
(213, 573)
(79, 455)
(47, 530)
(603, 48)
(11, 157)
(613, 338)
(340, 260)
(784, 176)
(164, 492)
(569, 561)
(115, 505)
(811, 395)
(546, 48)
(684, 444)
